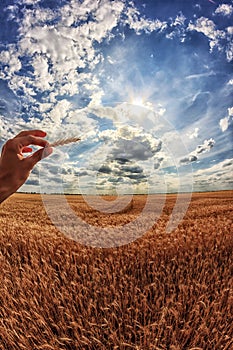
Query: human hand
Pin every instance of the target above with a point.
(14, 167)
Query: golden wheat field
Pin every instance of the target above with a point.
(163, 291)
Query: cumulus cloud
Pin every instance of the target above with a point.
(177, 28)
(60, 111)
(205, 147)
(230, 112)
(55, 55)
(191, 158)
(224, 9)
(5, 132)
(200, 149)
(120, 171)
(57, 44)
(10, 62)
(194, 134)
(208, 28)
(225, 122)
(122, 155)
(220, 39)
(139, 24)
(131, 144)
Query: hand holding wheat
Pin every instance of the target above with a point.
(65, 141)
(15, 167)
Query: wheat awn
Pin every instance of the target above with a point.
(62, 142)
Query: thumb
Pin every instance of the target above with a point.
(40, 154)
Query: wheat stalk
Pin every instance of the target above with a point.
(62, 142)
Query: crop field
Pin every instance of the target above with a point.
(164, 291)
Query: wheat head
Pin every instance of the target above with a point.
(65, 141)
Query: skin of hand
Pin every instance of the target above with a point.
(14, 166)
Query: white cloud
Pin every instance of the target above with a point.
(4, 130)
(216, 177)
(179, 20)
(225, 122)
(131, 143)
(224, 166)
(200, 149)
(60, 111)
(55, 50)
(205, 147)
(200, 75)
(123, 155)
(44, 107)
(230, 30)
(229, 52)
(139, 24)
(108, 15)
(230, 112)
(10, 59)
(96, 98)
(208, 28)
(9, 130)
(43, 79)
(224, 9)
(28, 2)
(194, 134)
(177, 27)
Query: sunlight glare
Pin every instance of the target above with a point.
(138, 101)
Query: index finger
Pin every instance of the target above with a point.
(36, 132)
(22, 141)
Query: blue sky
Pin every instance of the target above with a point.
(147, 85)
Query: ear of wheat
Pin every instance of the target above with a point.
(62, 142)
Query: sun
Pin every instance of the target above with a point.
(138, 101)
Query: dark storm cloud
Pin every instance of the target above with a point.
(122, 160)
(33, 182)
(105, 169)
(138, 177)
(207, 145)
(135, 149)
(81, 172)
(132, 169)
(123, 170)
(188, 159)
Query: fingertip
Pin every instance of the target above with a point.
(41, 133)
(47, 151)
(38, 155)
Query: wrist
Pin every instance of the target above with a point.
(5, 193)
(5, 188)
